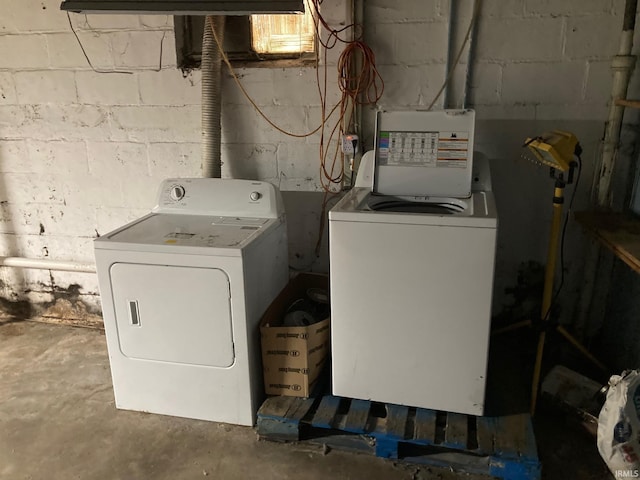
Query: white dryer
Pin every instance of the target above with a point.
(183, 290)
(412, 274)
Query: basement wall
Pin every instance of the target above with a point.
(82, 152)
(539, 65)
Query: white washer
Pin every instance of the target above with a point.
(411, 303)
(183, 289)
(412, 275)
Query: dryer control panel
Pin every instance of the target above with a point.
(219, 197)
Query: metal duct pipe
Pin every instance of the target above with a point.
(211, 66)
(45, 264)
(471, 54)
(453, 12)
(622, 66)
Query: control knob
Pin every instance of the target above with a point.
(177, 193)
(255, 196)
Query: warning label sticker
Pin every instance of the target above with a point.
(423, 149)
(453, 149)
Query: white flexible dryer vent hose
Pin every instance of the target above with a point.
(211, 66)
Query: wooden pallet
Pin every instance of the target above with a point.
(502, 447)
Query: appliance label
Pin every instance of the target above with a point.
(423, 149)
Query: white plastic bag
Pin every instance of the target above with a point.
(619, 426)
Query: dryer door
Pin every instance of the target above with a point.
(173, 314)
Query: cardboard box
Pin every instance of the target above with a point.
(293, 357)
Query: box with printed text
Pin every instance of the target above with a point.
(294, 356)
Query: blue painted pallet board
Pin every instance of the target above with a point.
(503, 447)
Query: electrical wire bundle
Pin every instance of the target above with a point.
(359, 83)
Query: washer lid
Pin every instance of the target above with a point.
(178, 230)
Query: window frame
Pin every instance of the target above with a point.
(188, 41)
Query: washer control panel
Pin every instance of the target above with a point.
(219, 197)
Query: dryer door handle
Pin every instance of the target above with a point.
(134, 313)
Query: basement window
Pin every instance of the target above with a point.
(252, 40)
(282, 34)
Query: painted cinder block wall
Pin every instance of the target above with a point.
(83, 152)
(539, 65)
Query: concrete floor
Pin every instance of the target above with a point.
(58, 421)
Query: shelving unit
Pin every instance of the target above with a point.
(621, 102)
(619, 232)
